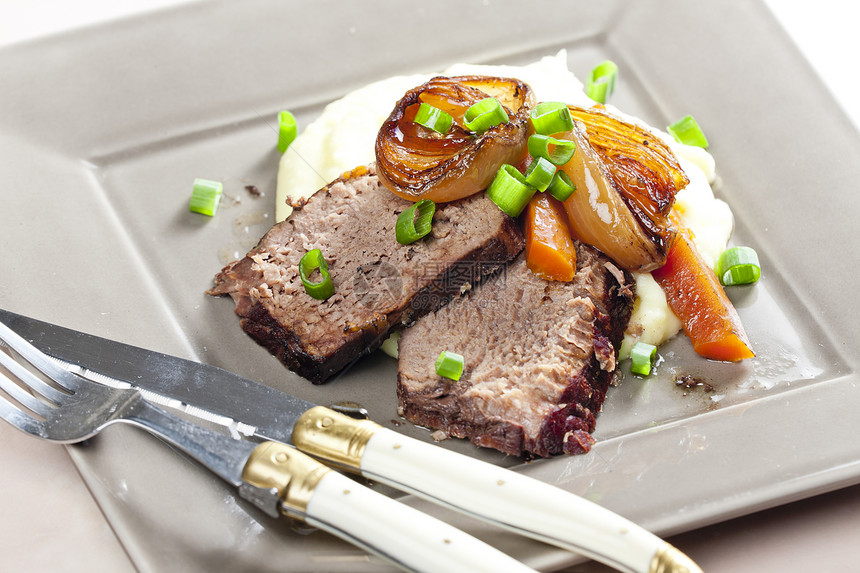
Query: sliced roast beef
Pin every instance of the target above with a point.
(379, 283)
(539, 357)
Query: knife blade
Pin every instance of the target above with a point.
(276, 477)
(496, 495)
(262, 411)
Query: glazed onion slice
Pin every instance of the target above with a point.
(626, 180)
(418, 163)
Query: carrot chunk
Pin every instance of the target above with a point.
(550, 253)
(696, 297)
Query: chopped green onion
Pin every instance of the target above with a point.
(449, 365)
(434, 118)
(311, 261)
(390, 344)
(510, 191)
(557, 151)
(688, 132)
(539, 174)
(643, 357)
(551, 117)
(485, 114)
(286, 130)
(415, 221)
(738, 266)
(561, 187)
(205, 197)
(601, 81)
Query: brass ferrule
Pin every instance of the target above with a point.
(332, 436)
(671, 560)
(293, 474)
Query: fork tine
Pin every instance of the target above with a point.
(41, 362)
(31, 380)
(19, 418)
(17, 392)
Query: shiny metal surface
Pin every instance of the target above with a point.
(72, 409)
(277, 478)
(204, 391)
(337, 438)
(291, 474)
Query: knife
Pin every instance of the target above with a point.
(276, 477)
(246, 408)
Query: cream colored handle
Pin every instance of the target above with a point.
(323, 498)
(517, 502)
(398, 533)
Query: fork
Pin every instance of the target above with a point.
(276, 477)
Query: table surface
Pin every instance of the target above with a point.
(51, 523)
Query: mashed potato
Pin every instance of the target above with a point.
(341, 139)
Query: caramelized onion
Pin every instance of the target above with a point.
(417, 163)
(626, 180)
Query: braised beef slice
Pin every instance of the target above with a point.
(379, 283)
(539, 358)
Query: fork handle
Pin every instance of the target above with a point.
(325, 499)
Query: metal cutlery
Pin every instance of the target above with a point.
(254, 411)
(72, 408)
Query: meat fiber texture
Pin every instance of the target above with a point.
(379, 284)
(539, 358)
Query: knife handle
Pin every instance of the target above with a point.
(408, 538)
(496, 495)
(519, 503)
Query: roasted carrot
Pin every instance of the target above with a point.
(696, 297)
(549, 249)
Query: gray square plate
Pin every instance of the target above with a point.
(103, 130)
